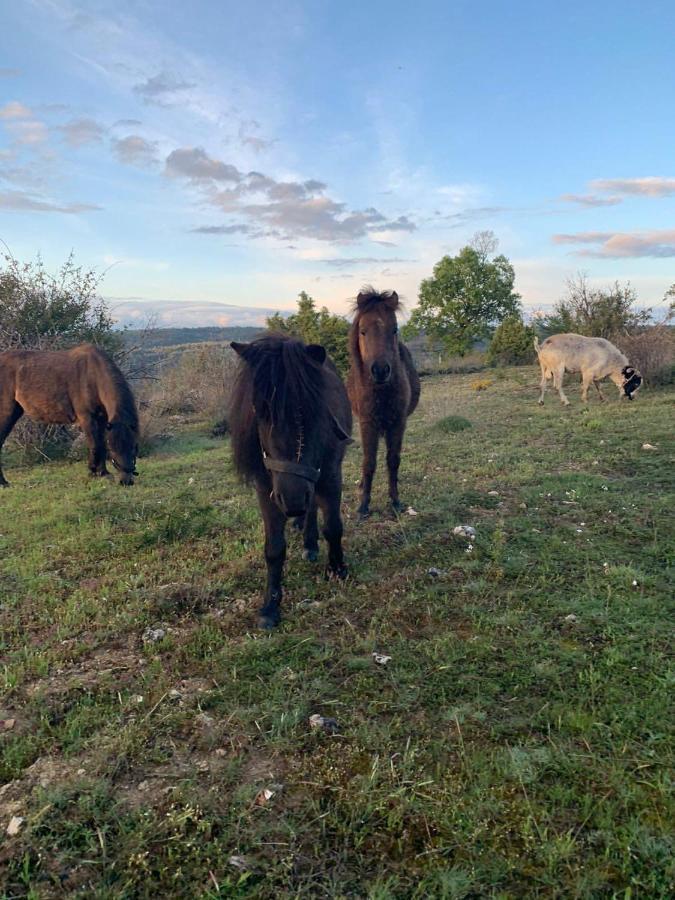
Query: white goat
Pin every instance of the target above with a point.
(594, 357)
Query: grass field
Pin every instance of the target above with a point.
(517, 743)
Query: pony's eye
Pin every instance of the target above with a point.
(362, 331)
(395, 330)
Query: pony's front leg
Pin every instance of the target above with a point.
(269, 614)
(93, 432)
(329, 501)
(369, 440)
(311, 534)
(394, 439)
(8, 418)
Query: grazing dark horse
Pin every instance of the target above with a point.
(383, 387)
(290, 423)
(81, 386)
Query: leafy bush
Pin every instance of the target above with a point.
(650, 351)
(314, 326)
(512, 343)
(197, 384)
(596, 312)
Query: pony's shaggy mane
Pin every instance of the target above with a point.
(368, 297)
(276, 371)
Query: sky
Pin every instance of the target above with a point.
(216, 158)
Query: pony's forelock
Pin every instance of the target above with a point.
(368, 298)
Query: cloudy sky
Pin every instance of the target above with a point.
(237, 153)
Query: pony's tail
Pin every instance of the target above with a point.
(537, 345)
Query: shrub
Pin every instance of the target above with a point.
(198, 384)
(650, 351)
(453, 424)
(596, 312)
(314, 326)
(512, 343)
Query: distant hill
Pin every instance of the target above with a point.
(170, 337)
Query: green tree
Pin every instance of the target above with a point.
(467, 296)
(40, 310)
(512, 343)
(596, 312)
(316, 326)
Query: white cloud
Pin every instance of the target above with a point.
(622, 245)
(637, 187)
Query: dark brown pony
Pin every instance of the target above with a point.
(383, 386)
(290, 423)
(81, 386)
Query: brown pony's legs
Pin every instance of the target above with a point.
(394, 438)
(329, 501)
(275, 555)
(369, 440)
(8, 419)
(311, 534)
(94, 433)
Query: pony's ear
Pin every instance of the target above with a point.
(628, 371)
(316, 352)
(392, 301)
(361, 298)
(239, 349)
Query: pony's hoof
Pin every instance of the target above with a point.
(339, 574)
(540, 402)
(310, 555)
(363, 513)
(299, 523)
(4, 483)
(268, 621)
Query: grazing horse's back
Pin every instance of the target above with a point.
(83, 387)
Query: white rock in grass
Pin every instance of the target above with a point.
(323, 723)
(571, 619)
(646, 446)
(493, 493)
(238, 862)
(381, 659)
(15, 825)
(467, 531)
(153, 635)
(411, 511)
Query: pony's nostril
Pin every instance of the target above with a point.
(386, 368)
(373, 369)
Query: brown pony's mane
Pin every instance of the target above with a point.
(368, 297)
(125, 411)
(276, 374)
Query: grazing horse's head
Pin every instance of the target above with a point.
(282, 386)
(631, 381)
(122, 442)
(375, 333)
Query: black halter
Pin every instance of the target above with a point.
(119, 468)
(309, 473)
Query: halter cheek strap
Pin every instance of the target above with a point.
(309, 473)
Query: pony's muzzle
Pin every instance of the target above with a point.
(293, 499)
(381, 372)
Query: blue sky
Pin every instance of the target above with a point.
(238, 153)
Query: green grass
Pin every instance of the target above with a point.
(518, 743)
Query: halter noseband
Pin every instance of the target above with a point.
(309, 473)
(119, 468)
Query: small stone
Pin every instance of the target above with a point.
(493, 493)
(153, 635)
(15, 825)
(220, 751)
(81, 772)
(646, 446)
(522, 505)
(7, 724)
(174, 694)
(238, 862)
(381, 659)
(191, 481)
(143, 785)
(264, 796)
(436, 573)
(571, 619)
(411, 511)
(635, 584)
(467, 531)
(323, 723)
(137, 699)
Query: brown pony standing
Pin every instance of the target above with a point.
(81, 386)
(383, 386)
(290, 423)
